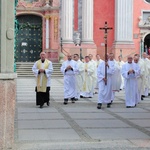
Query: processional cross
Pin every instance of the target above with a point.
(105, 28)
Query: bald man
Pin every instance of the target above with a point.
(42, 69)
(130, 72)
(69, 69)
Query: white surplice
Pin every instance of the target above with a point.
(146, 76)
(97, 64)
(105, 91)
(121, 63)
(79, 76)
(69, 78)
(87, 90)
(131, 85)
(94, 76)
(116, 77)
(140, 80)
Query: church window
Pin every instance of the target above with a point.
(147, 1)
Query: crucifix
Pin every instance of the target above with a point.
(106, 28)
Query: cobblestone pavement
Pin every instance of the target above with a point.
(79, 126)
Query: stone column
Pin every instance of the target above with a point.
(124, 21)
(67, 21)
(47, 33)
(7, 75)
(87, 21)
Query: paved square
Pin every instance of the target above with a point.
(80, 125)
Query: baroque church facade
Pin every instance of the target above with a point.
(72, 26)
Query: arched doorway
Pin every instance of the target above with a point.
(28, 38)
(146, 42)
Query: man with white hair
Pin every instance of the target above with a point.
(130, 72)
(69, 68)
(42, 69)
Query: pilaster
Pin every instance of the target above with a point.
(123, 44)
(87, 21)
(7, 75)
(124, 21)
(67, 21)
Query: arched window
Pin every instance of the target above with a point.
(147, 1)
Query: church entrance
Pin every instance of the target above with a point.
(147, 41)
(28, 38)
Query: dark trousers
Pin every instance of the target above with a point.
(42, 97)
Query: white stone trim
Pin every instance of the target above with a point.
(47, 33)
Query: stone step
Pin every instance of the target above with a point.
(24, 69)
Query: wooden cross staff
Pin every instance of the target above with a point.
(106, 28)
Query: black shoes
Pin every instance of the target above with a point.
(65, 101)
(99, 105)
(142, 98)
(48, 103)
(108, 105)
(73, 100)
(41, 106)
(82, 96)
(130, 106)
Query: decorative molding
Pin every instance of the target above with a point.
(48, 16)
(10, 34)
(55, 28)
(144, 23)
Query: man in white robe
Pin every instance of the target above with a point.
(105, 90)
(146, 74)
(89, 69)
(42, 69)
(68, 68)
(140, 77)
(98, 61)
(116, 77)
(79, 75)
(121, 63)
(94, 74)
(130, 71)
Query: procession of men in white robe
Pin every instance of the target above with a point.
(80, 79)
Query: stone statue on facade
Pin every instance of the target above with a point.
(147, 22)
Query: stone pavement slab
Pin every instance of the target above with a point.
(79, 126)
(116, 133)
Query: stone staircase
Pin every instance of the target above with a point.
(24, 69)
